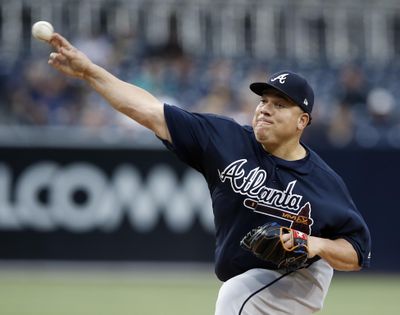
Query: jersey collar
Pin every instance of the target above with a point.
(303, 166)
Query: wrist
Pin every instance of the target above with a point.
(314, 246)
(89, 71)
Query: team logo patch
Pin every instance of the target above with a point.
(281, 78)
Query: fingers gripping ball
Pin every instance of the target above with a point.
(266, 243)
(42, 30)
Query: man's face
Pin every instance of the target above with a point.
(277, 120)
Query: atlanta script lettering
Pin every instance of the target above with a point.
(252, 185)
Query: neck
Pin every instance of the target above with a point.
(290, 151)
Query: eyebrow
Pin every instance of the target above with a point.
(276, 93)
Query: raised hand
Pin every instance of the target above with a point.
(67, 59)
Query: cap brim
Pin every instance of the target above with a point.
(260, 87)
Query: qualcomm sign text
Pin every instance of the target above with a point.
(80, 197)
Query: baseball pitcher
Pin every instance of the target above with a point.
(284, 219)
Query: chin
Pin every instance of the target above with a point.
(265, 139)
(262, 138)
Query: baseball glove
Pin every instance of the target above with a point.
(265, 242)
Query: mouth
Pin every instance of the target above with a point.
(264, 121)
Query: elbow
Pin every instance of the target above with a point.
(354, 268)
(346, 267)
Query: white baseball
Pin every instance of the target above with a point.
(42, 30)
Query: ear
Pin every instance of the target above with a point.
(302, 121)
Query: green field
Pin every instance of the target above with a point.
(166, 293)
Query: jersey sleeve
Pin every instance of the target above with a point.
(191, 134)
(359, 237)
(354, 229)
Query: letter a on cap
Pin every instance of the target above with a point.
(281, 77)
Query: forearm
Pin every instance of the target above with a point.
(339, 253)
(129, 99)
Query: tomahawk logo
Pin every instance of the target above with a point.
(281, 204)
(281, 78)
(300, 221)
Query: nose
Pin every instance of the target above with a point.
(266, 108)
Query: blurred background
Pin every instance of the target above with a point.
(97, 217)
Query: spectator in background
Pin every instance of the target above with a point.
(352, 95)
(34, 97)
(373, 130)
(40, 98)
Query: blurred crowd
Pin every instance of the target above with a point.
(356, 104)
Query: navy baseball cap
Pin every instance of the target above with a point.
(292, 85)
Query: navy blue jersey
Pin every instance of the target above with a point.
(250, 187)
